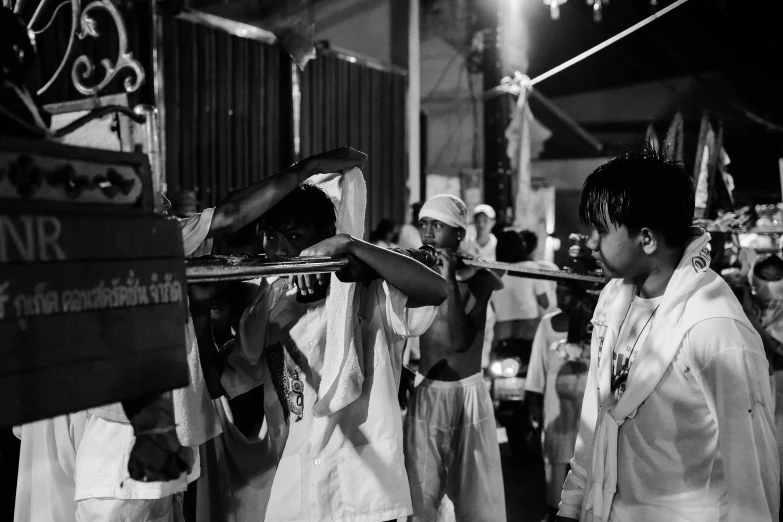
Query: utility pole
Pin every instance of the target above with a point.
(497, 175)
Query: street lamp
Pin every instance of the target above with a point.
(554, 7)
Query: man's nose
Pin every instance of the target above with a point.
(592, 240)
(280, 251)
(165, 204)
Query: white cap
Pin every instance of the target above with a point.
(484, 209)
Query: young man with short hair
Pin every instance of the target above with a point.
(333, 447)
(676, 422)
(451, 442)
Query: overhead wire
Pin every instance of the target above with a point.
(603, 45)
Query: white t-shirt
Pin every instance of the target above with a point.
(487, 252)
(385, 244)
(348, 465)
(518, 297)
(409, 236)
(701, 447)
(550, 287)
(559, 374)
(634, 331)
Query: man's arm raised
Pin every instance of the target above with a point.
(250, 203)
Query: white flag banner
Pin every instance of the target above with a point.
(702, 186)
(780, 167)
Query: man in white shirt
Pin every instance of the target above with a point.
(480, 242)
(89, 451)
(677, 421)
(555, 384)
(345, 463)
(519, 305)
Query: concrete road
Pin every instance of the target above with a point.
(524, 483)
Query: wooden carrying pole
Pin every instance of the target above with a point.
(239, 269)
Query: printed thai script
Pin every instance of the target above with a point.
(131, 292)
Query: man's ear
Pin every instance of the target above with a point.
(650, 239)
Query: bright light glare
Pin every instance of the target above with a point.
(510, 367)
(506, 368)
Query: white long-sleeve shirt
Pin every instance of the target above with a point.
(348, 465)
(702, 445)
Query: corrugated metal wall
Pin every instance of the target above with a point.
(228, 110)
(229, 107)
(346, 103)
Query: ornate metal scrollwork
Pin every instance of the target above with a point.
(83, 26)
(124, 58)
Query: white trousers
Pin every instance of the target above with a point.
(451, 447)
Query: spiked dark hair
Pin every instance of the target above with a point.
(640, 189)
(306, 205)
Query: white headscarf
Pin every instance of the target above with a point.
(448, 209)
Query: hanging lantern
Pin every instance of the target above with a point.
(597, 11)
(554, 7)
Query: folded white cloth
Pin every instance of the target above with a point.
(343, 371)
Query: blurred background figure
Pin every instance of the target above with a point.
(519, 306)
(386, 234)
(522, 302)
(531, 244)
(555, 384)
(480, 242)
(762, 300)
(409, 233)
(184, 204)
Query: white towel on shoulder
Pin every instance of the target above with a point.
(343, 371)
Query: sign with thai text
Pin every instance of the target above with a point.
(44, 238)
(93, 306)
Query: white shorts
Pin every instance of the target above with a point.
(451, 447)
